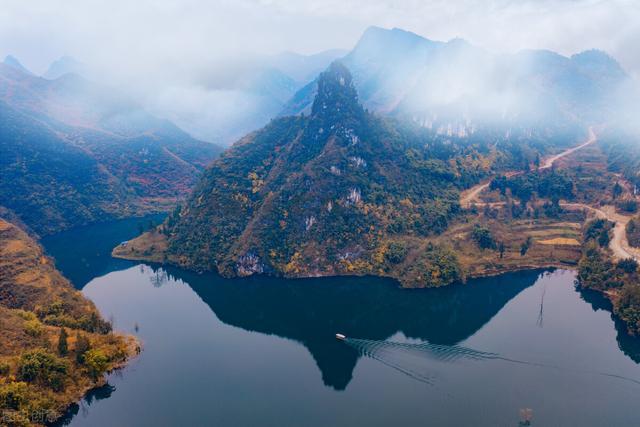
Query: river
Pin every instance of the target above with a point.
(262, 351)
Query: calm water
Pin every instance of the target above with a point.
(262, 351)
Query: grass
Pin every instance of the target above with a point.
(150, 246)
(561, 241)
(548, 245)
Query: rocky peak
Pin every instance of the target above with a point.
(337, 96)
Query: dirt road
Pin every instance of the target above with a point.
(547, 163)
(619, 244)
(470, 196)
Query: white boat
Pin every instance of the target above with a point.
(341, 337)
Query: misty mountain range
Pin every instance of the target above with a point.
(454, 87)
(133, 161)
(75, 152)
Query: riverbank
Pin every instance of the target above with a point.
(549, 243)
(56, 347)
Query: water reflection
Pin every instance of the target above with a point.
(94, 395)
(214, 347)
(84, 253)
(629, 345)
(312, 311)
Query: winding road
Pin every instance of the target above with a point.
(470, 196)
(619, 245)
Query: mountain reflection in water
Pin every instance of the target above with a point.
(311, 311)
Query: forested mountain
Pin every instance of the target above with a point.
(456, 88)
(75, 152)
(338, 191)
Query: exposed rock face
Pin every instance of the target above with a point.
(249, 264)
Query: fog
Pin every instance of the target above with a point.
(197, 62)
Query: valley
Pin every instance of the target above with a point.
(465, 222)
(77, 152)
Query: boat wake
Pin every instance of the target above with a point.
(391, 353)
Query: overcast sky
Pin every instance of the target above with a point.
(180, 36)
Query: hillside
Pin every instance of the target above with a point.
(43, 369)
(339, 191)
(75, 152)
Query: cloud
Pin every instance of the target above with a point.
(187, 33)
(190, 45)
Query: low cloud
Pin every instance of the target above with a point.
(162, 50)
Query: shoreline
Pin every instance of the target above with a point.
(487, 273)
(135, 348)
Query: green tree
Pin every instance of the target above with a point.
(617, 190)
(63, 345)
(483, 237)
(524, 248)
(501, 249)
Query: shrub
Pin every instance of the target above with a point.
(4, 369)
(437, 266)
(596, 271)
(26, 315)
(82, 346)
(33, 328)
(599, 230)
(483, 237)
(13, 395)
(628, 205)
(96, 362)
(633, 232)
(42, 367)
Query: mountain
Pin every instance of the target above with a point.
(338, 191)
(225, 108)
(65, 65)
(443, 85)
(77, 152)
(12, 61)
